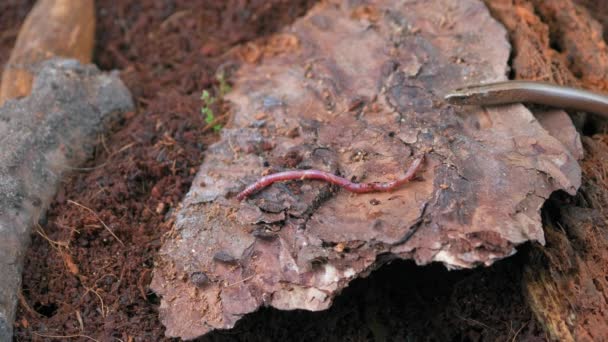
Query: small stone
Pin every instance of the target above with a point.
(199, 279)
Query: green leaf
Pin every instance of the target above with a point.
(209, 117)
(205, 95)
(207, 98)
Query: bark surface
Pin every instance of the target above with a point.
(358, 92)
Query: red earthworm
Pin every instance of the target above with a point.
(333, 179)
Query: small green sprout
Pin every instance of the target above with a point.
(207, 112)
(209, 100)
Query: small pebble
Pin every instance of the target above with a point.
(199, 279)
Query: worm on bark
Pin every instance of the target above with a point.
(333, 179)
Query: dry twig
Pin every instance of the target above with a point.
(98, 218)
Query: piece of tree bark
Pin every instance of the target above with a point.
(359, 93)
(42, 137)
(53, 28)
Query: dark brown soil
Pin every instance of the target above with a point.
(81, 282)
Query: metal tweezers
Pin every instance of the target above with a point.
(530, 92)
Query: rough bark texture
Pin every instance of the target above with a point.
(359, 94)
(566, 282)
(53, 28)
(43, 136)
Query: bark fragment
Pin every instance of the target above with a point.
(53, 28)
(365, 97)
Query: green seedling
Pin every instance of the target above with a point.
(209, 100)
